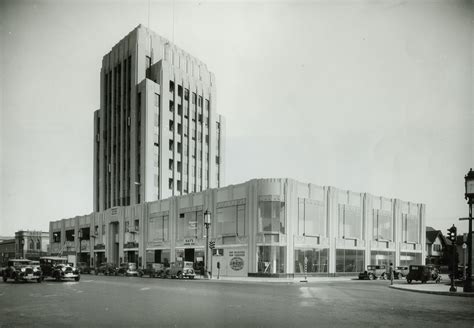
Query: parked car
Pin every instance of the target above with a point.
(374, 272)
(152, 270)
(107, 269)
(401, 272)
(181, 269)
(423, 273)
(21, 269)
(84, 267)
(128, 269)
(58, 268)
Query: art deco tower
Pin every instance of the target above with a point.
(157, 133)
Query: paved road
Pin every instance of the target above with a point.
(138, 302)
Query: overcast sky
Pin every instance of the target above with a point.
(368, 96)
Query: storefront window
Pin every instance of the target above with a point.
(271, 216)
(349, 260)
(408, 258)
(317, 260)
(271, 259)
(410, 228)
(311, 218)
(349, 222)
(382, 258)
(231, 220)
(382, 225)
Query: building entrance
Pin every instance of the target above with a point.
(131, 257)
(99, 258)
(189, 254)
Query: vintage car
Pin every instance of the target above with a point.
(181, 269)
(58, 268)
(400, 272)
(152, 270)
(107, 269)
(374, 272)
(21, 269)
(423, 273)
(84, 267)
(128, 269)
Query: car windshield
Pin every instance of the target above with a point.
(19, 263)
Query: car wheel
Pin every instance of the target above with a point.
(409, 281)
(77, 278)
(371, 276)
(180, 275)
(5, 278)
(191, 277)
(38, 280)
(423, 281)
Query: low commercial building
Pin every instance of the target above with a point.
(7, 250)
(267, 227)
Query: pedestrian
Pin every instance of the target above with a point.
(391, 273)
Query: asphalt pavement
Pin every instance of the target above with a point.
(103, 301)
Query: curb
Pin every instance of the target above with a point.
(462, 294)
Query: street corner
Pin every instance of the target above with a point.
(436, 289)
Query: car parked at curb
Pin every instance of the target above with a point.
(84, 267)
(180, 270)
(152, 270)
(374, 272)
(107, 269)
(423, 273)
(21, 270)
(128, 269)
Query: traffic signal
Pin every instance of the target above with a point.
(452, 233)
(212, 244)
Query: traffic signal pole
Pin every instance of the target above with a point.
(452, 237)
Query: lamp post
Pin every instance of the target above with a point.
(207, 223)
(469, 196)
(22, 246)
(80, 241)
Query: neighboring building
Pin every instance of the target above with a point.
(157, 133)
(31, 244)
(435, 246)
(7, 250)
(3, 238)
(261, 227)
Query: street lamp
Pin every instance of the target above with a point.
(207, 223)
(80, 241)
(22, 246)
(469, 196)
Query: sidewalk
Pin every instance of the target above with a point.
(282, 280)
(433, 288)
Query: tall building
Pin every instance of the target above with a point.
(157, 133)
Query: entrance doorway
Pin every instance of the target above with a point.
(189, 254)
(131, 257)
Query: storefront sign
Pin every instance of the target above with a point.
(236, 253)
(131, 244)
(99, 246)
(236, 263)
(188, 242)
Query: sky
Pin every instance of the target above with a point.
(370, 96)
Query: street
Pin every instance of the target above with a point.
(139, 302)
